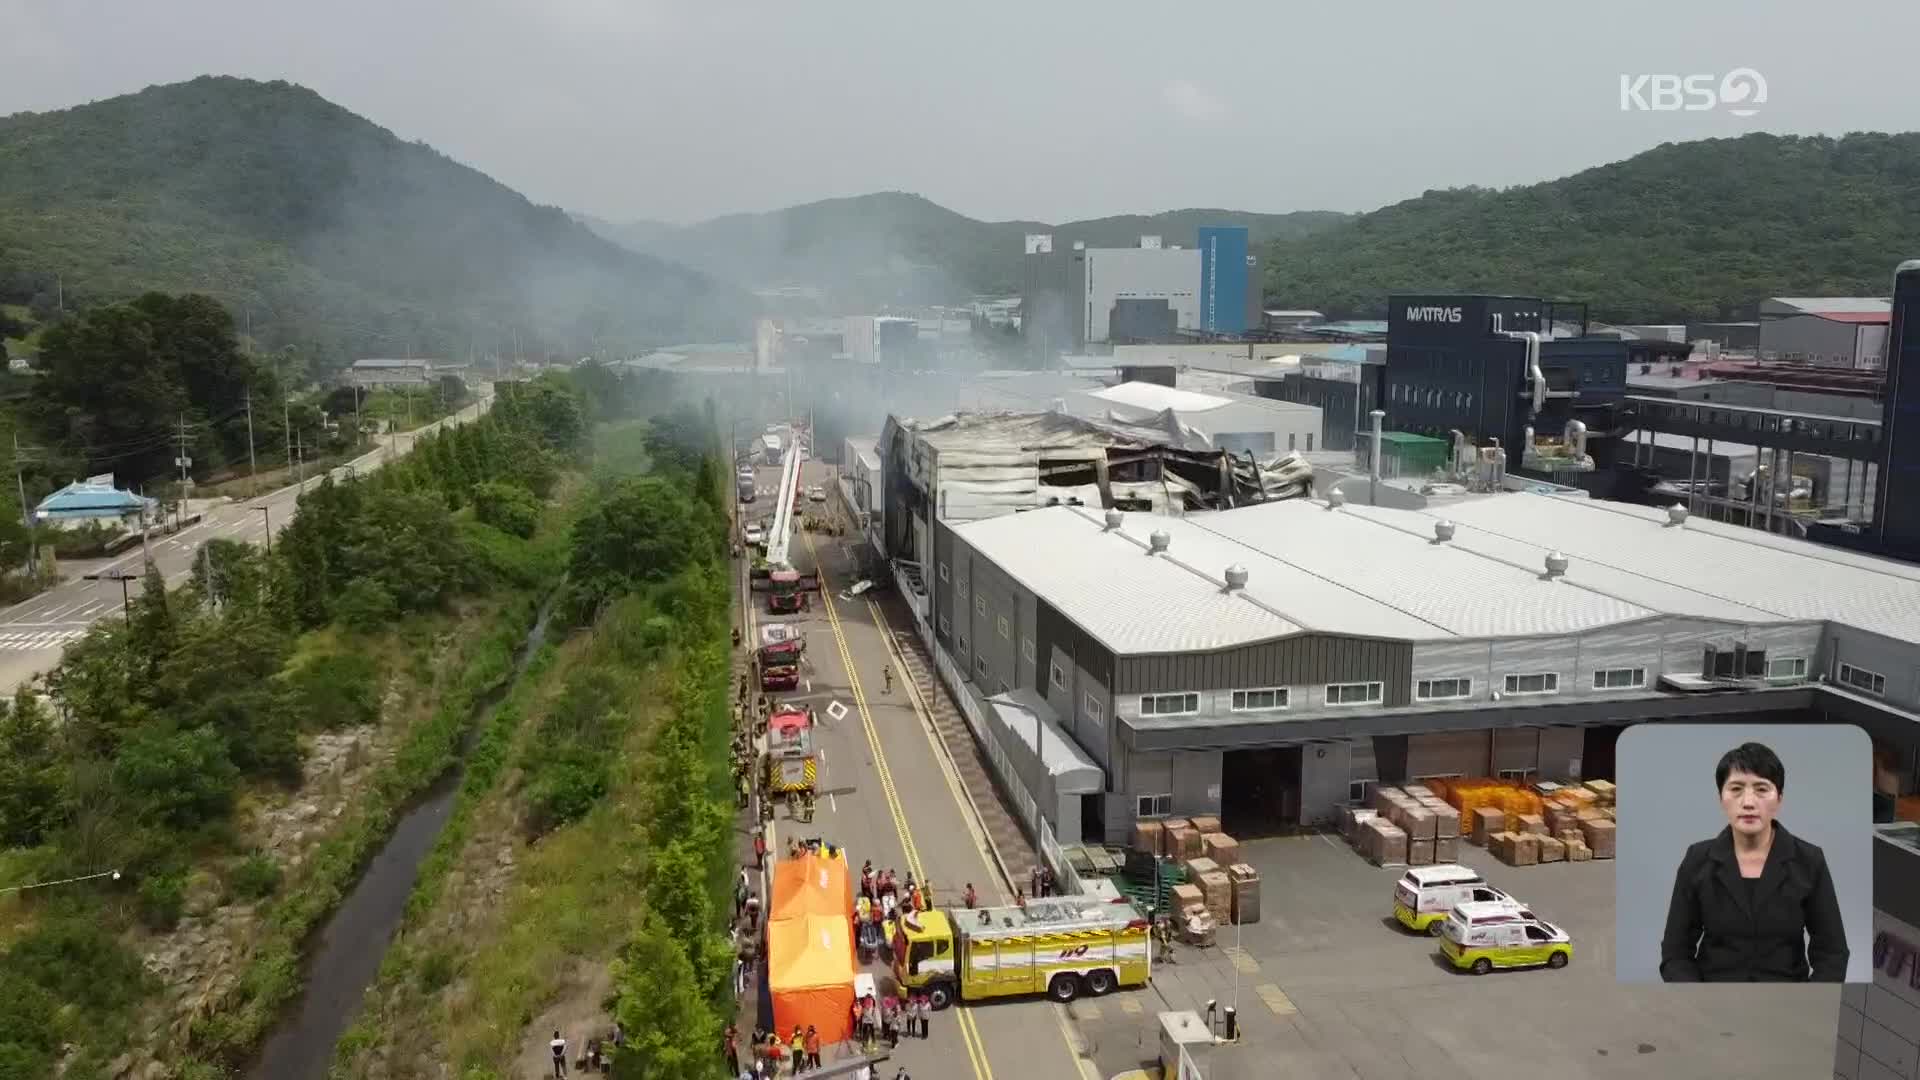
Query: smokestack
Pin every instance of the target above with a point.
(1373, 465)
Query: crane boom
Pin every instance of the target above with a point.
(780, 537)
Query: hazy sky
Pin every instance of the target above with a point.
(1045, 109)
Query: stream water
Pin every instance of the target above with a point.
(345, 955)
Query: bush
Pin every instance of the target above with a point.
(79, 962)
(507, 507)
(180, 778)
(162, 898)
(255, 878)
(332, 688)
(366, 605)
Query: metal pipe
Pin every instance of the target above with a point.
(1373, 466)
(1576, 439)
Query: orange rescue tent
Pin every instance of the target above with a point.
(811, 885)
(810, 974)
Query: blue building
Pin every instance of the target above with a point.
(1224, 298)
(94, 499)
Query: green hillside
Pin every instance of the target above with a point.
(325, 230)
(1701, 229)
(896, 247)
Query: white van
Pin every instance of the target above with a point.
(1425, 894)
(1481, 937)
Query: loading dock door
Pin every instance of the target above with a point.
(1516, 750)
(1451, 753)
(1260, 790)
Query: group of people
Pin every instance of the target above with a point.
(891, 1018)
(886, 891)
(1040, 881)
(598, 1056)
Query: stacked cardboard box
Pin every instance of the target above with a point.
(1516, 849)
(1383, 843)
(1420, 852)
(1446, 821)
(1446, 848)
(1149, 836)
(1384, 797)
(1488, 820)
(1417, 820)
(1246, 892)
(1217, 888)
(1561, 818)
(1196, 867)
(1418, 792)
(1220, 847)
(1353, 820)
(1578, 851)
(1183, 842)
(1187, 897)
(1602, 790)
(1207, 824)
(1598, 836)
(1532, 823)
(1552, 850)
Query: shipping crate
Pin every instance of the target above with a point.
(1418, 822)
(1599, 836)
(1207, 824)
(1246, 892)
(1384, 796)
(1167, 825)
(1418, 791)
(1386, 843)
(1446, 821)
(1603, 789)
(1446, 848)
(1183, 843)
(1526, 849)
(1578, 851)
(1420, 852)
(1533, 823)
(1488, 820)
(1221, 848)
(1196, 867)
(1218, 890)
(1188, 895)
(1355, 821)
(1552, 850)
(1149, 836)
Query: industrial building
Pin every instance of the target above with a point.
(1080, 296)
(1237, 423)
(1841, 332)
(1270, 663)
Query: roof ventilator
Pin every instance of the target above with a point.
(1158, 542)
(1442, 531)
(1336, 499)
(1556, 564)
(1676, 515)
(1236, 577)
(1114, 519)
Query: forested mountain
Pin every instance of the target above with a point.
(896, 247)
(319, 229)
(1700, 229)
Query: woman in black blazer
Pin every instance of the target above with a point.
(1755, 903)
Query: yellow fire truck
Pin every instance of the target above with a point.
(1060, 946)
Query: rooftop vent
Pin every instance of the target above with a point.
(1236, 577)
(1443, 531)
(1114, 518)
(1336, 499)
(1059, 405)
(1158, 541)
(1676, 514)
(1556, 564)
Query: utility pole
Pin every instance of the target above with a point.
(180, 506)
(26, 512)
(126, 598)
(299, 463)
(206, 570)
(266, 512)
(253, 467)
(359, 433)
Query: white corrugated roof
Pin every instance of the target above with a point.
(1822, 304)
(1378, 572)
(1146, 395)
(1110, 587)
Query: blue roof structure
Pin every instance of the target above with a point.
(94, 497)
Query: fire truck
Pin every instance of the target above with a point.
(790, 762)
(787, 590)
(1061, 946)
(778, 657)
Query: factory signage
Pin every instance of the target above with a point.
(1433, 314)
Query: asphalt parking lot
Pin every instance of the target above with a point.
(1329, 986)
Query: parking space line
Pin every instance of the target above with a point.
(1131, 1006)
(1276, 999)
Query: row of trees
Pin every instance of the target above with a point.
(165, 718)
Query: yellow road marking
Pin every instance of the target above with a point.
(1246, 964)
(1131, 1005)
(969, 1031)
(1276, 999)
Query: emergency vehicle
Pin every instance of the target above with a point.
(1425, 894)
(791, 765)
(1060, 946)
(1481, 937)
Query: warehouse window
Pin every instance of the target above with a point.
(945, 626)
(1787, 669)
(1354, 693)
(1290, 440)
(1267, 700)
(1096, 712)
(1169, 704)
(1360, 792)
(980, 668)
(1517, 775)
(1443, 689)
(1871, 682)
(944, 575)
(1153, 806)
(1057, 675)
(1026, 649)
(980, 605)
(1309, 442)
(1006, 631)
(1543, 683)
(1620, 678)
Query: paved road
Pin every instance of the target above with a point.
(34, 632)
(887, 795)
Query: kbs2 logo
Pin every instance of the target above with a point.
(1741, 92)
(1076, 951)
